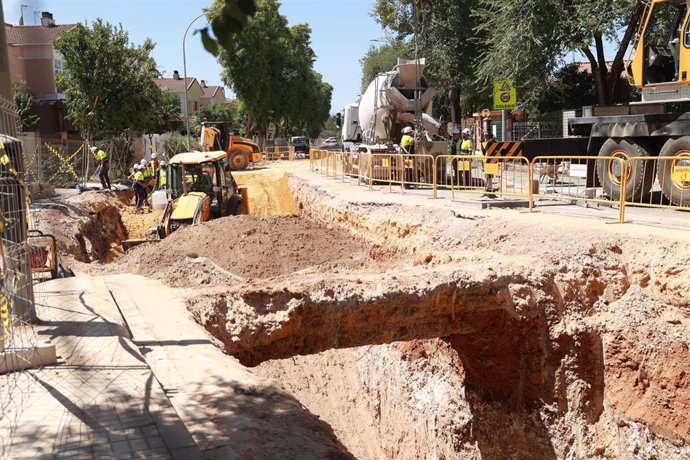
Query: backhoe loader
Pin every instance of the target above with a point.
(201, 188)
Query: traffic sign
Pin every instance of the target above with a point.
(505, 94)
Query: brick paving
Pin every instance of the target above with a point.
(101, 400)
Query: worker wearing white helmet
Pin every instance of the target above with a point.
(139, 186)
(163, 175)
(103, 163)
(407, 141)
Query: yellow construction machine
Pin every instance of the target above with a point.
(200, 188)
(241, 151)
(660, 68)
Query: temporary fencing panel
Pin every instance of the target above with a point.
(574, 178)
(658, 182)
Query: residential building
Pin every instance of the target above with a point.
(199, 94)
(212, 94)
(34, 63)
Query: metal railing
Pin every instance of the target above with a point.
(574, 179)
(658, 182)
(609, 181)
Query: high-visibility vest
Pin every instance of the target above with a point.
(406, 142)
(101, 155)
(138, 176)
(466, 146)
(163, 177)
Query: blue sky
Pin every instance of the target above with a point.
(341, 33)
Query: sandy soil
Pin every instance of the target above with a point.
(474, 334)
(247, 247)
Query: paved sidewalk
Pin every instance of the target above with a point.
(101, 400)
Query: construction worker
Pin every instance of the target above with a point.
(139, 186)
(488, 178)
(104, 163)
(407, 148)
(163, 175)
(453, 146)
(407, 141)
(152, 170)
(466, 147)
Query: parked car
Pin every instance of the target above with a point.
(301, 143)
(331, 140)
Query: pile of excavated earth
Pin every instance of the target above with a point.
(425, 331)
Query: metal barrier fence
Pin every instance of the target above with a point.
(16, 285)
(574, 178)
(280, 152)
(658, 182)
(609, 181)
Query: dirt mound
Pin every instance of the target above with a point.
(138, 225)
(269, 192)
(249, 247)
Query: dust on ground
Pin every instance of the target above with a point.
(269, 192)
(576, 345)
(139, 225)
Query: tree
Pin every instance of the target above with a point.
(168, 113)
(444, 31)
(108, 85)
(526, 41)
(270, 68)
(220, 111)
(229, 18)
(27, 121)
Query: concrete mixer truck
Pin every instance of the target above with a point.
(392, 101)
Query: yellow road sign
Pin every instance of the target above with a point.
(505, 94)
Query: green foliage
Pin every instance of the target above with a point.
(228, 17)
(527, 39)
(219, 111)
(177, 143)
(270, 68)
(167, 117)
(446, 36)
(108, 83)
(382, 59)
(27, 121)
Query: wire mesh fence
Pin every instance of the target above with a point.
(18, 337)
(537, 130)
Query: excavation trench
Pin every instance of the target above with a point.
(436, 341)
(421, 332)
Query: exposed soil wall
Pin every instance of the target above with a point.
(555, 340)
(88, 227)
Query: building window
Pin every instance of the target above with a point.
(195, 106)
(57, 65)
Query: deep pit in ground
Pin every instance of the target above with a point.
(413, 334)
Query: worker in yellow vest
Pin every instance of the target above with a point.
(104, 163)
(163, 175)
(466, 147)
(139, 186)
(407, 148)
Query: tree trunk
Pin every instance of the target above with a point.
(454, 101)
(599, 79)
(618, 64)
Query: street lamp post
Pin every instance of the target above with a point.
(184, 65)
